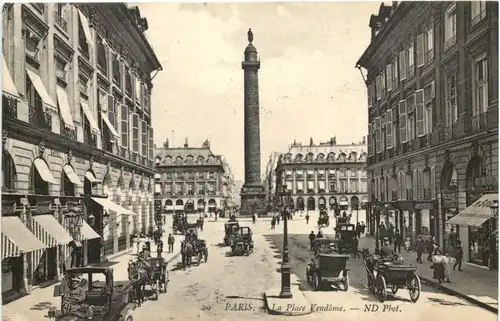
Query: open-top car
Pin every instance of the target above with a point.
(323, 219)
(229, 228)
(324, 244)
(243, 242)
(345, 233)
(328, 268)
(90, 293)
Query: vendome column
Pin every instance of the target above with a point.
(252, 193)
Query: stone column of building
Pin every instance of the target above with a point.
(253, 193)
(294, 187)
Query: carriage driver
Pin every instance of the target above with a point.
(386, 251)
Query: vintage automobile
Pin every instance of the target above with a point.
(345, 233)
(243, 242)
(160, 274)
(105, 299)
(390, 273)
(229, 228)
(328, 268)
(323, 219)
(323, 244)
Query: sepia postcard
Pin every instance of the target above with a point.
(250, 161)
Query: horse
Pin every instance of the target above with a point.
(137, 272)
(187, 250)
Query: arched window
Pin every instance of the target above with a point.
(201, 160)
(362, 157)
(342, 157)
(40, 177)
(310, 157)
(168, 160)
(331, 157)
(189, 160)
(178, 160)
(321, 158)
(8, 172)
(298, 158)
(353, 156)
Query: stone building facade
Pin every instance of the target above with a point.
(433, 118)
(191, 179)
(77, 144)
(324, 176)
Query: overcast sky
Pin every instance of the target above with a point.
(308, 84)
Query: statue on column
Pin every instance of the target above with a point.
(165, 144)
(250, 35)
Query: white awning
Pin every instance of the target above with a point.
(344, 203)
(110, 126)
(91, 177)
(48, 103)
(8, 85)
(332, 172)
(477, 213)
(88, 113)
(88, 232)
(17, 238)
(70, 172)
(86, 28)
(108, 204)
(62, 99)
(44, 171)
(57, 234)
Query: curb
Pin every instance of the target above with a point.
(447, 290)
(285, 312)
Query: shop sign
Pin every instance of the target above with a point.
(424, 206)
(449, 199)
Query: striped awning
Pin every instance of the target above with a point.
(88, 233)
(48, 230)
(17, 238)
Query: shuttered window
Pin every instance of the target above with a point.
(388, 72)
(370, 95)
(369, 139)
(124, 125)
(419, 111)
(395, 75)
(403, 131)
(402, 65)
(411, 61)
(144, 140)
(429, 93)
(420, 50)
(388, 129)
(378, 146)
(112, 109)
(135, 133)
(151, 144)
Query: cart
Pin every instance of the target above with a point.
(345, 233)
(329, 269)
(323, 244)
(229, 228)
(242, 243)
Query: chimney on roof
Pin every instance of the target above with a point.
(364, 140)
(311, 143)
(334, 140)
(186, 143)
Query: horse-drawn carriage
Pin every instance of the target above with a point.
(191, 247)
(328, 268)
(179, 224)
(323, 219)
(229, 228)
(345, 233)
(390, 273)
(242, 243)
(88, 298)
(148, 271)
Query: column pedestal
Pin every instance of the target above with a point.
(253, 200)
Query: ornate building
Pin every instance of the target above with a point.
(326, 175)
(190, 178)
(433, 119)
(77, 152)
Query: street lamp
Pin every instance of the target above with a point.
(376, 211)
(285, 263)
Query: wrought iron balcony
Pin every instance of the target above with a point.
(89, 138)
(67, 132)
(61, 22)
(427, 193)
(39, 118)
(409, 194)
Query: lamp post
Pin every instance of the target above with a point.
(285, 263)
(493, 241)
(376, 211)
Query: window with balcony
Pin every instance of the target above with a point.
(402, 64)
(343, 173)
(331, 173)
(135, 133)
(89, 137)
(201, 189)
(451, 100)
(36, 112)
(480, 85)
(168, 189)
(128, 82)
(410, 63)
(82, 42)
(190, 189)
(102, 57)
(61, 16)
(300, 187)
(333, 187)
(478, 11)
(150, 143)
(450, 25)
(409, 185)
(388, 72)
(420, 50)
(178, 188)
(116, 71)
(124, 126)
(395, 74)
(429, 45)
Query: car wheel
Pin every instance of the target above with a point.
(316, 282)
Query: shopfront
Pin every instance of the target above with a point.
(425, 219)
(344, 203)
(449, 208)
(481, 217)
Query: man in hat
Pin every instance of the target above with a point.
(386, 251)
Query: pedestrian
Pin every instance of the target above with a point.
(171, 241)
(273, 223)
(363, 228)
(390, 233)
(159, 248)
(431, 246)
(382, 233)
(398, 240)
(437, 266)
(358, 230)
(419, 247)
(459, 255)
(311, 239)
(307, 218)
(407, 245)
(448, 262)
(452, 238)
(278, 219)
(253, 218)
(355, 244)
(319, 235)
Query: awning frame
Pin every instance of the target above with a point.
(8, 85)
(64, 109)
(91, 177)
(108, 204)
(58, 235)
(14, 232)
(88, 233)
(477, 213)
(48, 103)
(86, 27)
(110, 126)
(71, 174)
(44, 171)
(90, 117)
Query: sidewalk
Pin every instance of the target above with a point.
(35, 306)
(475, 284)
